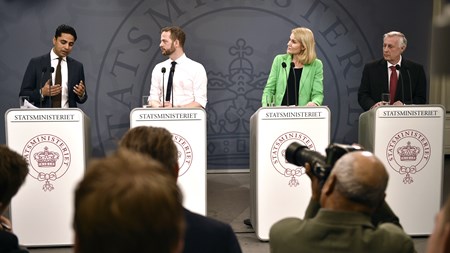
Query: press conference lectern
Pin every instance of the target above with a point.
(279, 189)
(409, 141)
(188, 127)
(56, 145)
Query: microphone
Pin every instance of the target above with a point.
(163, 71)
(51, 70)
(410, 86)
(44, 70)
(397, 67)
(295, 82)
(283, 64)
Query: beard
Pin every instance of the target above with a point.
(169, 51)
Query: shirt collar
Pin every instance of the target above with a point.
(180, 59)
(53, 56)
(398, 63)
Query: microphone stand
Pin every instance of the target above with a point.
(283, 64)
(410, 86)
(172, 69)
(163, 71)
(397, 67)
(51, 84)
(295, 83)
(44, 71)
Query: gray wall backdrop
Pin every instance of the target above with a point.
(236, 41)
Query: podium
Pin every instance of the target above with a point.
(188, 127)
(279, 189)
(55, 143)
(409, 141)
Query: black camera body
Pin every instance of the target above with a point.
(320, 166)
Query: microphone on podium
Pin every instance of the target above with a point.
(399, 68)
(163, 71)
(410, 85)
(44, 70)
(283, 64)
(295, 82)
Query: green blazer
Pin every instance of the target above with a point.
(311, 82)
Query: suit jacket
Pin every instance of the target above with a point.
(411, 85)
(205, 235)
(35, 78)
(311, 81)
(337, 231)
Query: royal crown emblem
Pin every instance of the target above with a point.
(46, 158)
(408, 152)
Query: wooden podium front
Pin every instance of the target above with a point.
(279, 189)
(409, 141)
(55, 143)
(188, 127)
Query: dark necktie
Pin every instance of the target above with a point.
(56, 100)
(170, 81)
(393, 84)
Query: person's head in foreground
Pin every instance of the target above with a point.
(128, 202)
(357, 183)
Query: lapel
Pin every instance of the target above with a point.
(284, 75)
(306, 76)
(69, 73)
(382, 72)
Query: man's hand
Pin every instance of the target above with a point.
(379, 104)
(50, 90)
(79, 89)
(167, 104)
(315, 183)
(5, 224)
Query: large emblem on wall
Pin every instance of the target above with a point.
(236, 42)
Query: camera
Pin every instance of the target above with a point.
(320, 166)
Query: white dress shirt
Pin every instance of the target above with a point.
(189, 82)
(64, 78)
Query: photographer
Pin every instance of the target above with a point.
(339, 216)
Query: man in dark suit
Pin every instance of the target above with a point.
(411, 84)
(54, 79)
(203, 234)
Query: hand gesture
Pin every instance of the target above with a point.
(79, 89)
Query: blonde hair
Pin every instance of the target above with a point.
(306, 38)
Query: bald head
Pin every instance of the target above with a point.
(361, 178)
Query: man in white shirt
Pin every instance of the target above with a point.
(178, 81)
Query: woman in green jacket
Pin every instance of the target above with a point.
(296, 78)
